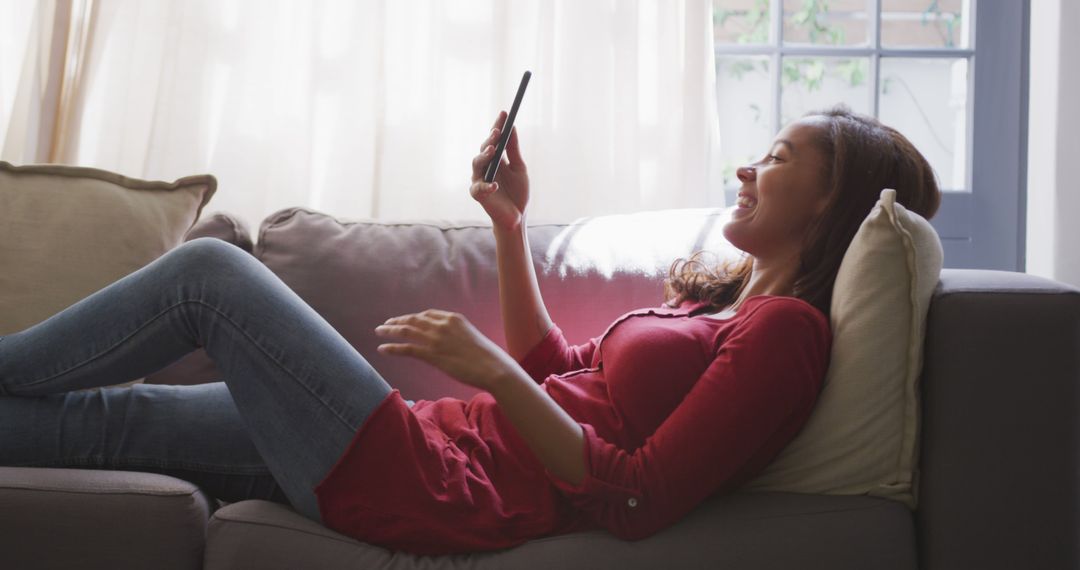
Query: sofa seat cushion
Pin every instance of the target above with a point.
(744, 530)
(89, 519)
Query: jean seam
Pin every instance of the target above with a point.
(224, 316)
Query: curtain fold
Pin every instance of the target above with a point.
(32, 60)
(376, 108)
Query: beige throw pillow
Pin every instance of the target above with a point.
(863, 435)
(66, 232)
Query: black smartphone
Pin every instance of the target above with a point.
(493, 166)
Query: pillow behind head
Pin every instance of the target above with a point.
(862, 437)
(66, 232)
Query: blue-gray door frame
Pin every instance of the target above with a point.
(986, 227)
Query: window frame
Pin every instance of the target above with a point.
(982, 225)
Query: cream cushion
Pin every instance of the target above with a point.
(66, 232)
(863, 435)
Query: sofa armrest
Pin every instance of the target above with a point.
(999, 484)
(85, 518)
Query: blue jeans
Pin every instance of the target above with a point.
(294, 394)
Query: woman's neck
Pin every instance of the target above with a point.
(768, 277)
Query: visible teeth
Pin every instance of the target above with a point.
(745, 202)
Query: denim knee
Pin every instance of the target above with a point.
(207, 255)
(203, 250)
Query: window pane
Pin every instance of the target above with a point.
(743, 102)
(828, 22)
(926, 100)
(813, 84)
(925, 23)
(741, 21)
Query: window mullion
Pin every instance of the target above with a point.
(874, 7)
(777, 16)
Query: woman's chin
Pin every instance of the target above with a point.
(734, 232)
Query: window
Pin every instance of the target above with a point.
(919, 66)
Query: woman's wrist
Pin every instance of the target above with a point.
(513, 230)
(505, 380)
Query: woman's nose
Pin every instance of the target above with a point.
(746, 173)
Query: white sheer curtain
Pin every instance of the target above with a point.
(375, 108)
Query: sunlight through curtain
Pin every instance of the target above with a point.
(375, 108)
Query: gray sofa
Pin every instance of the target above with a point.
(999, 485)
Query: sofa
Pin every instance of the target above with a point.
(998, 455)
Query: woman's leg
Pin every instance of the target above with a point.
(190, 432)
(300, 389)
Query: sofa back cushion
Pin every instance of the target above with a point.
(357, 274)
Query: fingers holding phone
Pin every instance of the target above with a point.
(501, 185)
(481, 188)
(504, 198)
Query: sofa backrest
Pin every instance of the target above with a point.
(357, 274)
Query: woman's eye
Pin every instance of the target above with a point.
(773, 157)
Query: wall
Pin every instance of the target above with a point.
(1053, 233)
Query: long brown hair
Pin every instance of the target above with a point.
(867, 157)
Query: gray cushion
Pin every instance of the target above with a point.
(87, 519)
(225, 227)
(745, 531)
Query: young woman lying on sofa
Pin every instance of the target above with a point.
(627, 432)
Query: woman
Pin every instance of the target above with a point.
(627, 432)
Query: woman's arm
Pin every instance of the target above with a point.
(753, 398)
(525, 318)
(554, 436)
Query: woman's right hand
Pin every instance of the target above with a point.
(505, 198)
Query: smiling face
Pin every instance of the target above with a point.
(781, 195)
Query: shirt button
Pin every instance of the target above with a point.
(632, 502)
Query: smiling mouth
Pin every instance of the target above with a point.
(746, 202)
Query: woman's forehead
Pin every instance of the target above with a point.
(797, 135)
(802, 129)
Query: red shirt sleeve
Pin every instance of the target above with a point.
(553, 355)
(750, 402)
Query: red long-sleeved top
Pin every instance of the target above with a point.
(674, 406)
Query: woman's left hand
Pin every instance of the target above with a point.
(449, 342)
